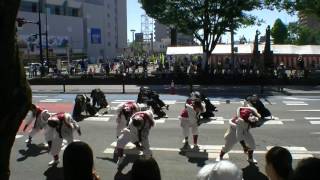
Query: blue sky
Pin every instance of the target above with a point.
(134, 13)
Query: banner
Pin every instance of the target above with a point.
(95, 36)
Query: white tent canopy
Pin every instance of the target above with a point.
(246, 49)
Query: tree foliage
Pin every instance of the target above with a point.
(207, 20)
(279, 32)
(292, 6)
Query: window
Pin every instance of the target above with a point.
(57, 10)
(74, 12)
(109, 43)
(34, 7)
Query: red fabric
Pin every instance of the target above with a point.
(184, 113)
(145, 117)
(245, 113)
(189, 101)
(38, 110)
(60, 116)
(131, 105)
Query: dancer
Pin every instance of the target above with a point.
(40, 117)
(137, 133)
(189, 119)
(238, 131)
(60, 126)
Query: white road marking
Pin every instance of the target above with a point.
(160, 121)
(315, 133)
(215, 102)
(39, 96)
(19, 136)
(306, 110)
(295, 103)
(124, 100)
(51, 100)
(215, 122)
(273, 122)
(101, 118)
(172, 119)
(302, 99)
(314, 122)
(170, 102)
(312, 118)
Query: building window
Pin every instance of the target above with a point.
(109, 43)
(34, 7)
(57, 10)
(108, 15)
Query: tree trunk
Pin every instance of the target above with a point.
(174, 35)
(15, 90)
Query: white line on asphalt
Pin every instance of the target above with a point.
(172, 119)
(215, 122)
(170, 102)
(312, 118)
(315, 133)
(51, 100)
(293, 104)
(215, 102)
(314, 122)
(19, 136)
(124, 100)
(273, 122)
(306, 110)
(160, 121)
(103, 119)
(34, 96)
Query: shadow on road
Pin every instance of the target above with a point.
(252, 172)
(54, 173)
(194, 155)
(33, 150)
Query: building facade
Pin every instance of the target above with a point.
(95, 28)
(163, 32)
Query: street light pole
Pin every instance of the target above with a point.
(40, 39)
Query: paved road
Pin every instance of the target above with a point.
(296, 127)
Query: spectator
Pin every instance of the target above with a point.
(307, 169)
(278, 163)
(146, 169)
(78, 162)
(222, 170)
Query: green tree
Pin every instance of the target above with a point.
(15, 93)
(293, 33)
(279, 32)
(207, 20)
(292, 6)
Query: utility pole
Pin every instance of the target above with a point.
(47, 46)
(40, 39)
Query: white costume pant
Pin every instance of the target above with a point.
(186, 125)
(53, 135)
(128, 135)
(121, 124)
(232, 136)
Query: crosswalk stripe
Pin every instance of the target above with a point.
(274, 122)
(51, 100)
(103, 119)
(19, 136)
(160, 121)
(215, 122)
(312, 118)
(314, 122)
(170, 102)
(295, 103)
(306, 110)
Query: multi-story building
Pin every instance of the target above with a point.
(95, 28)
(163, 32)
(309, 20)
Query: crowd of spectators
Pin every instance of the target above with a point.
(78, 164)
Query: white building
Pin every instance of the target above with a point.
(96, 28)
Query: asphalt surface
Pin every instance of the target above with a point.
(296, 127)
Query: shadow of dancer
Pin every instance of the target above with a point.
(194, 155)
(54, 173)
(33, 150)
(252, 172)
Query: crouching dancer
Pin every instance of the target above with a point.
(60, 126)
(137, 132)
(40, 117)
(238, 131)
(125, 111)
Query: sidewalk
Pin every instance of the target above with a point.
(180, 89)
